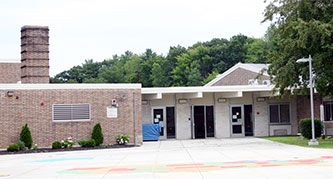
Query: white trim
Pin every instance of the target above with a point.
(10, 61)
(204, 89)
(230, 70)
(68, 86)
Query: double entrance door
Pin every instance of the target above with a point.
(203, 121)
(165, 116)
(241, 120)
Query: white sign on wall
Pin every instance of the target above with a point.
(111, 112)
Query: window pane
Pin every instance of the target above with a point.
(331, 112)
(274, 113)
(236, 129)
(328, 113)
(170, 122)
(210, 121)
(284, 113)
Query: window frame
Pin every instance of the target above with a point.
(325, 111)
(71, 118)
(279, 115)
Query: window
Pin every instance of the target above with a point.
(328, 111)
(70, 112)
(279, 113)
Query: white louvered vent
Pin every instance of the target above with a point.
(70, 112)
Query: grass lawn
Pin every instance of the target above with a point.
(295, 140)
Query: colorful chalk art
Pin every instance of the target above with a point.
(202, 167)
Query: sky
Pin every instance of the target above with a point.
(99, 29)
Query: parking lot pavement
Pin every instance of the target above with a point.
(208, 158)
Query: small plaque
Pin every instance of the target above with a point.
(111, 112)
(234, 116)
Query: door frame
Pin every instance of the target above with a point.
(164, 119)
(193, 123)
(239, 123)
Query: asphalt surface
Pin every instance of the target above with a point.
(209, 158)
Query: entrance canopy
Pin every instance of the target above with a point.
(197, 92)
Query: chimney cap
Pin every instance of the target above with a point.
(34, 27)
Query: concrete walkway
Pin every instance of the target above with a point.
(172, 159)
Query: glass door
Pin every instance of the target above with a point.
(203, 121)
(159, 118)
(237, 120)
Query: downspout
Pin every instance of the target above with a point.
(253, 114)
(134, 115)
(176, 124)
(214, 116)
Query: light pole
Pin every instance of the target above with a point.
(313, 141)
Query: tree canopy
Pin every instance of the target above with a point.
(300, 28)
(192, 66)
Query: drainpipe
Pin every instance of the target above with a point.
(253, 113)
(134, 107)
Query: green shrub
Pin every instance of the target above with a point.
(306, 128)
(25, 136)
(56, 145)
(35, 147)
(122, 139)
(20, 144)
(82, 142)
(97, 134)
(13, 148)
(68, 143)
(90, 143)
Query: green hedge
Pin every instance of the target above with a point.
(90, 143)
(306, 128)
(13, 148)
(56, 145)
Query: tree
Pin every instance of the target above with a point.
(210, 77)
(97, 134)
(302, 28)
(159, 79)
(25, 136)
(194, 76)
(257, 51)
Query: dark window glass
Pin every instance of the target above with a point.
(236, 129)
(210, 121)
(170, 122)
(328, 108)
(236, 114)
(158, 115)
(284, 113)
(274, 113)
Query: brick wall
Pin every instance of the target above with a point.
(25, 107)
(239, 77)
(304, 106)
(10, 72)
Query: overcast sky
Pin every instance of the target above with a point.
(98, 29)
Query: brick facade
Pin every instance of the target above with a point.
(239, 77)
(35, 54)
(25, 106)
(304, 106)
(10, 72)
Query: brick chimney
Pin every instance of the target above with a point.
(35, 54)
